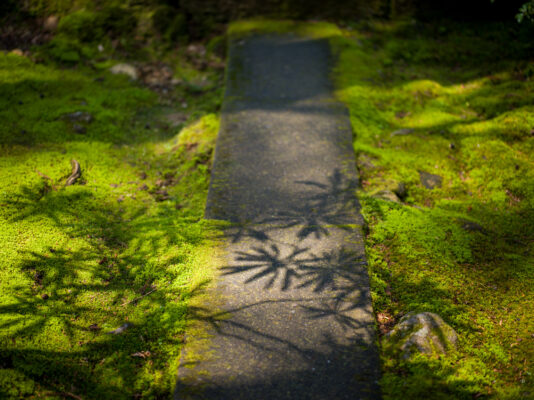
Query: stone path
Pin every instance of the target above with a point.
(296, 319)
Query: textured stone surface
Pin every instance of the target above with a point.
(430, 181)
(421, 333)
(126, 69)
(294, 317)
(387, 195)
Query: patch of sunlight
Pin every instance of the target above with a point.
(429, 119)
(424, 86)
(316, 30)
(202, 134)
(515, 124)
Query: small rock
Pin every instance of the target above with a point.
(425, 333)
(430, 181)
(402, 114)
(126, 69)
(79, 129)
(80, 116)
(471, 226)
(401, 191)
(161, 195)
(387, 195)
(402, 132)
(17, 52)
(120, 329)
(50, 23)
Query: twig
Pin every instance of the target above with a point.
(42, 175)
(139, 298)
(69, 394)
(76, 173)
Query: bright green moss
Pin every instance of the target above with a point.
(126, 244)
(318, 30)
(461, 250)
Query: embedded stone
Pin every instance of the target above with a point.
(126, 69)
(424, 333)
(387, 195)
(80, 116)
(401, 190)
(430, 181)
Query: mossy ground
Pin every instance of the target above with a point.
(126, 244)
(466, 91)
(464, 250)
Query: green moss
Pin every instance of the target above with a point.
(203, 132)
(125, 244)
(82, 25)
(463, 250)
(317, 30)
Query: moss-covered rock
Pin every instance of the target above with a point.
(425, 333)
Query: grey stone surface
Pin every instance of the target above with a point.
(430, 181)
(387, 195)
(401, 190)
(425, 333)
(293, 318)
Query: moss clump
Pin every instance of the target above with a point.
(82, 25)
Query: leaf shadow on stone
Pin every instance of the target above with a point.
(333, 203)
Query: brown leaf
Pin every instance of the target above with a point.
(142, 354)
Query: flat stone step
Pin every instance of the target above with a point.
(293, 318)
